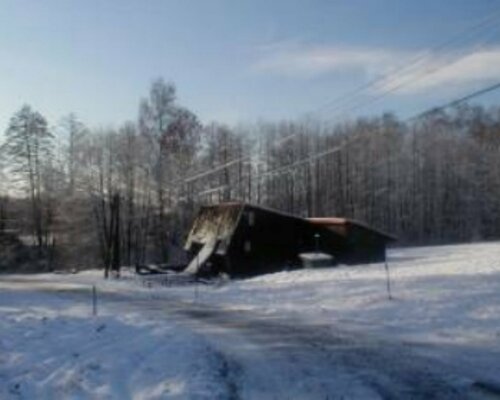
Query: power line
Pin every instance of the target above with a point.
(337, 148)
(461, 100)
(389, 77)
(386, 79)
(304, 160)
(216, 169)
(418, 116)
(403, 84)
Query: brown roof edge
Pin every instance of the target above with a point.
(328, 221)
(224, 204)
(336, 221)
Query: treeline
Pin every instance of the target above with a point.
(109, 196)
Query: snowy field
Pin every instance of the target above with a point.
(445, 307)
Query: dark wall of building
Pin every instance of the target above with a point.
(265, 241)
(363, 246)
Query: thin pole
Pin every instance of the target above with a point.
(94, 300)
(196, 277)
(388, 278)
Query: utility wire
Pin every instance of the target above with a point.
(337, 148)
(420, 115)
(399, 86)
(392, 75)
(385, 80)
(457, 102)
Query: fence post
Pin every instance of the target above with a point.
(94, 300)
(196, 278)
(388, 278)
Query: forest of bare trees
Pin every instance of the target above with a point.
(81, 197)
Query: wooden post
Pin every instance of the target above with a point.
(196, 278)
(388, 277)
(94, 300)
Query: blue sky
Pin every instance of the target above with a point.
(240, 61)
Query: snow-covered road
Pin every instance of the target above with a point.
(242, 354)
(292, 359)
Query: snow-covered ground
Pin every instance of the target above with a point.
(50, 348)
(442, 294)
(445, 307)
(446, 296)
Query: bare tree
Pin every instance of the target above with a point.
(28, 146)
(74, 132)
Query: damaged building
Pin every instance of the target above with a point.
(242, 240)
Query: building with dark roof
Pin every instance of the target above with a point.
(243, 240)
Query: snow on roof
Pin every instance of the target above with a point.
(214, 223)
(315, 256)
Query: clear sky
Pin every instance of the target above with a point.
(243, 60)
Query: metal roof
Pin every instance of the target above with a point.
(336, 221)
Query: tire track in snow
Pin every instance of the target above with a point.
(392, 370)
(229, 372)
